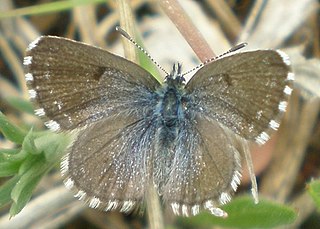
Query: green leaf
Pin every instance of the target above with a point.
(28, 163)
(314, 191)
(9, 168)
(35, 166)
(146, 63)
(7, 153)
(34, 169)
(22, 191)
(15, 157)
(5, 190)
(47, 8)
(24, 196)
(243, 213)
(39, 153)
(54, 145)
(20, 104)
(28, 143)
(10, 131)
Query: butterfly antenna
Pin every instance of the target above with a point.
(126, 35)
(233, 49)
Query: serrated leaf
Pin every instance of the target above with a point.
(314, 191)
(243, 213)
(10, 131)
(5, 190)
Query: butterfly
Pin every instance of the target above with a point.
(133, 132)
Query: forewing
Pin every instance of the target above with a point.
(74, 84)
(206, 169)
(108, 165)
(246, 92)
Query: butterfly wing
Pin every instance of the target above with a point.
(108, 165)
(72, 91)
(246, 92)
(76, 85)
(206, 169)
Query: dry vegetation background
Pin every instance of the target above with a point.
(284, 165)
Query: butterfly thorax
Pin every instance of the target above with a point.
(170, 97)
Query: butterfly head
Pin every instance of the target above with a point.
(175, 78)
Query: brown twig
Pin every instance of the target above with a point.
(186, 27)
